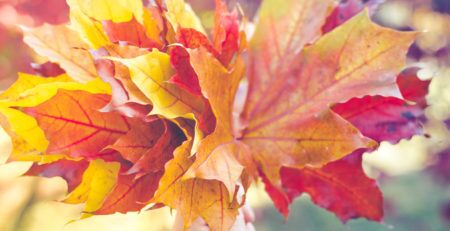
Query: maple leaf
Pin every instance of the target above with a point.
(152, 73)
(226, 32)
(226, 38)
(226, 35)
(380, 118)
(383, 118)
(139, 140)
(340, 186)
(70, 111)
(28, 139)
(131, 193)
(120, 32)
(149, 145)
(142, 31)
(180, 14)
(191, 38)
(220, 87)
(26, 82)
(101, 23)
(115, 10)
(195, 197)
(91, 31)
(185, 77)
(98, 180)
(389, 118)
(42, 90)
(63, 46)
(300, 129)
(126, 97)
(97, 130)
(121, 21)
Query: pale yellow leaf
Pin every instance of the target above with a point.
(151, 73)
(98, 181)
(63, 46)
(181, 14)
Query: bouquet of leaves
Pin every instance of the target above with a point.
(140, 107)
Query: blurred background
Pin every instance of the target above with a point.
(414, 175)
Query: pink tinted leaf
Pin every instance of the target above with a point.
(383, 118)
(340, 187)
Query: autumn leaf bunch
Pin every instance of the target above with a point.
(140, 107)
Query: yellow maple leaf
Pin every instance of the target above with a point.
(97, 182)
(86, 18)
(28, 139)
(181, 14)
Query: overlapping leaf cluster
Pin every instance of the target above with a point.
(151, 109)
